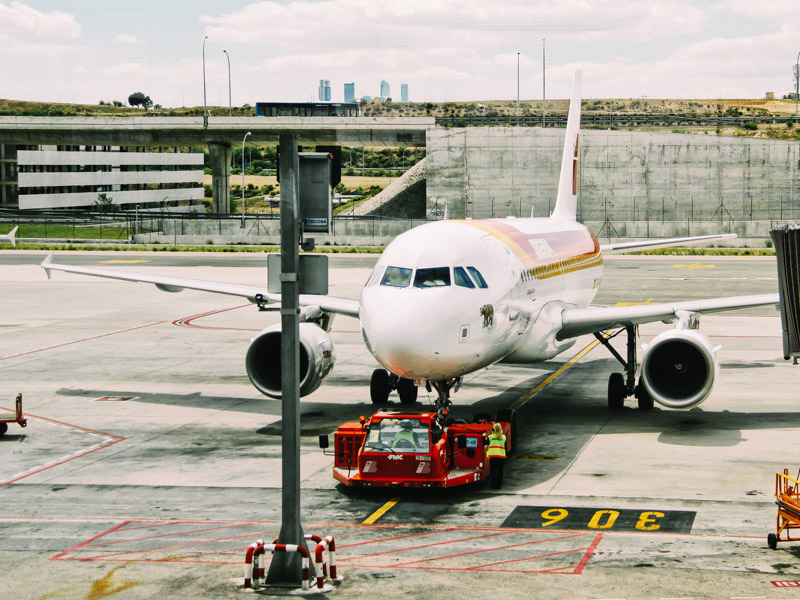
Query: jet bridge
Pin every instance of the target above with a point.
(787, 249)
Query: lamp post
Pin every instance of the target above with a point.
(230, 103)
(544, 104)
(517, 86)
(205, 106)
(243, 140)
(796, 83)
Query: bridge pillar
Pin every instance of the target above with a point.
(220, 155)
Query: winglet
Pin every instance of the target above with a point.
(46, 264)
(567, 198)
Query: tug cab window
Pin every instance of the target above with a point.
(476, 275)
(397, 277)
(436, 277)
(397, 436)
(461, 278)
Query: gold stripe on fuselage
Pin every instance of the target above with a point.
(564, 251)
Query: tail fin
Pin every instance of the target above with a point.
(10, 236)
(567, 199)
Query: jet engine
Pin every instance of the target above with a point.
(264, 359)
(679, 367)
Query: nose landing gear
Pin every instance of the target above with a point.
(382, 383)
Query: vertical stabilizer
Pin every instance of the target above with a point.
(567, 199)
(9, 237)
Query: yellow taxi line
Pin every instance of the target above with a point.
(379, 513)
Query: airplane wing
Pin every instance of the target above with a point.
(579, 321)
(166, 283)
(660, 243)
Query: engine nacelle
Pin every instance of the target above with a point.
(264, 359)
(679, 368)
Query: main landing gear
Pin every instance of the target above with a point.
(382, 383)
(622, 385)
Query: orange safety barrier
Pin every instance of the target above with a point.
(787, 497)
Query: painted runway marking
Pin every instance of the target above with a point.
(120, 261)
(109, 439)
(694, 266)
(436, 548)
(94, 337)
(380, 512)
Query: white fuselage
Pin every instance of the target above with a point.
(423, 319)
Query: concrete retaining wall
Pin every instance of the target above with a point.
(625, 176)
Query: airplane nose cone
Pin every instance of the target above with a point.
(411, 339)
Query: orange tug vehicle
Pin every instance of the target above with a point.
(406, 449)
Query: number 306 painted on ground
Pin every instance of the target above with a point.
(604, 519)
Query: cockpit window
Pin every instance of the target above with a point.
(398, 436)
(476, 275)
(397, 277)
(436, 277)
(461, 278)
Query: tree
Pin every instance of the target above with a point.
(139, 99)
(104, 203)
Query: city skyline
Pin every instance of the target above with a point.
(445, 50)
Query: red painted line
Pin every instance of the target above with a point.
(592, 548)
(494, 549)
(401, 537)
(194, 522)
(89, 541)
(468, 539)
(71, 458)
(188, 321)
(173, 546)
(514, 560)
(95, 337)
(163, 535)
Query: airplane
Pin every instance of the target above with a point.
(9, 237)
(452, 297)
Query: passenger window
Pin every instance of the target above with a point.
(436, 277)
(397, 277)
(461, 278)
(476, 275)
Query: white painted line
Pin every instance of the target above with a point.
(17, 475)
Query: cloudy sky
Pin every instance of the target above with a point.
(91, 50)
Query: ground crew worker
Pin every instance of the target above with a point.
(496, 453)
(406, 434)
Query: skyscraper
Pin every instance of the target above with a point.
(403, 92)
(324, 90)
(349, 92)
(386, 91)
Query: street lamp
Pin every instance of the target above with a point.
(243, 140)
(205, 106)
(517, 86)
(230, 103)
(544, 68)
(796, 83)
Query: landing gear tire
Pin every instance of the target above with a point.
(616, 391)
(407, 391)
(509, 416)
(644, 399)
(772, 541)
(380, 386)
(3, 428)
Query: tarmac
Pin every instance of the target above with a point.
(150, 463)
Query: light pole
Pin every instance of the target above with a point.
(517, 86)
(205, 106)
(796, 83)
(230, 103)
(243, 140)
(544, 109)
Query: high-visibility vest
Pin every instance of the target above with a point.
(497, 446)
